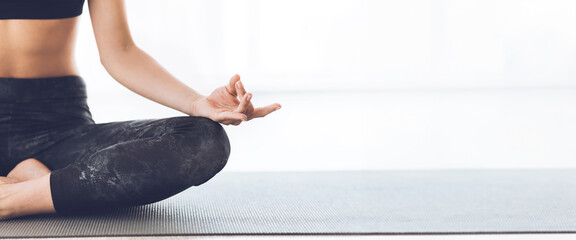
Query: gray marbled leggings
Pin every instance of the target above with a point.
(103, 165)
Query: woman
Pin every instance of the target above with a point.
(54, 158)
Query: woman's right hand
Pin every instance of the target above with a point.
(230, 104)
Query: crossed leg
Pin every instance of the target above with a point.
(138, 162)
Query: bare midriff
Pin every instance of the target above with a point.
(37, 48)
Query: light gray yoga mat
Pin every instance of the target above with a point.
(375, 202)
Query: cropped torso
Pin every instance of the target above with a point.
(37, 43)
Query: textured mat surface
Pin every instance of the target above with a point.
(386, 202)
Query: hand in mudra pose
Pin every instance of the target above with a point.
(230, 104)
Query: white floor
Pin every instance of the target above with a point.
(394, 129)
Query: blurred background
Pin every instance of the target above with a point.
(366, 84)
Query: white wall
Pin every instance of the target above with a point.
(451, 68)
(360, 44)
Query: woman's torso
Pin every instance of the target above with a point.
(37, 48)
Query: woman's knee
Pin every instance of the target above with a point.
(212, 136)
(206, 148)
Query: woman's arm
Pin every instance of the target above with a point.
(137, 71)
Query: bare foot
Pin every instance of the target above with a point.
(27, 170)
(26, 198)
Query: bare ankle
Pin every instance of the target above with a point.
(27, 170)
(7, 180)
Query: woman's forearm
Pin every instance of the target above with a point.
(139, 72)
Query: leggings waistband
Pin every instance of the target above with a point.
(38, 89)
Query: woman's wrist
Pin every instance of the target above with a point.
(191, 106)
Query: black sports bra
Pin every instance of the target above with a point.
(40, 9)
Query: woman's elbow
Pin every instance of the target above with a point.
(112, 55)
